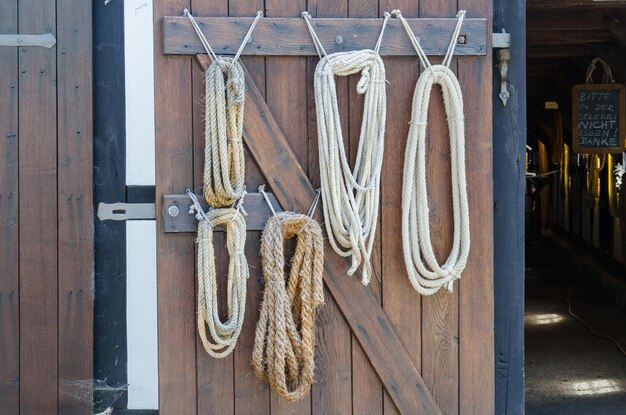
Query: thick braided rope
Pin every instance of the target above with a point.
(284, 344)
(351, 198)
(224, 163)
(222, 336)
(426, 274)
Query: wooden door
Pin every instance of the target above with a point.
(372, 342)
(46, 221)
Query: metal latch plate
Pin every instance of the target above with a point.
(126, 211)
(46, 40)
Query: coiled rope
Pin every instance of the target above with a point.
(224, 174)
(284, 344)
(426, 274)
(223, 335)
(351, 198)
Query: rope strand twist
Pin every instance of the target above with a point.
(351, 197)
(284, 344)
(425, 273)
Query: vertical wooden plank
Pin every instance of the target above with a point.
(9, 242)
(476, 360)
(286, 95)
(252, 395)
(332, 390)
(215, 391)
(440, 364)
(75, 201)
(509, 186)
(175, 253)
(400, 301)
(367, 390)
(38, 213)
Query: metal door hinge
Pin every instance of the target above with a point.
(46, 40)
(126, 211)
(502, 41)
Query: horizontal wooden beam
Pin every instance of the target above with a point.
(587, 18)
(569, 37)
(532, 5)
(540, 51)
(180, 220)
(290, 36)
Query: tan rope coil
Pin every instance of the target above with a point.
(223, 335)
(351, 198)
(426, 274)
(224, 96)
(224, 174)
(284, 344)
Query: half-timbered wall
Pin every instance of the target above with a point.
(448, 336)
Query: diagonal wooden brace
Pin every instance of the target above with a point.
(271, 151)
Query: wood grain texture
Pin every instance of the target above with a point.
(75, 201)
(476, 360)
(440, 329)
(279, 37)
(400, 301)
(38, 221)
(255, 205)
(216, 390)
(286, 97)
(252, 395)
(175, 253)
(9, 221)
(360, 307)
(367, 390)
(332, 390)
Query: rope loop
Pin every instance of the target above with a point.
(425, 273)
(221, 338)
(284, 344)
(607, 73)
(351, 196)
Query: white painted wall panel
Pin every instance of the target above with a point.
(138, 56)
(141, 315)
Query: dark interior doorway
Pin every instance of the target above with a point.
(575, 300)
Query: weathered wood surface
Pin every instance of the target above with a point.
(9, 230)
(475, 289)
(38, 221)
(257, 213)
(175, 253)
(440, 322)
(346, 381)
(368, 321)
(290, 36)
(75, 206)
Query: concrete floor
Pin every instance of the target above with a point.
(568, 370)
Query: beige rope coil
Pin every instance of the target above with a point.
(284, 344)
(223, 335)
(224, 96)
(426, 274)
(351, 198)
(224, 174)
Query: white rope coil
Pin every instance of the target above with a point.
(351, 197)
(426, 274)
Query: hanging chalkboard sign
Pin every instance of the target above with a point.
(599, 118)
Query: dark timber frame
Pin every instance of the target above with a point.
(509, 185)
